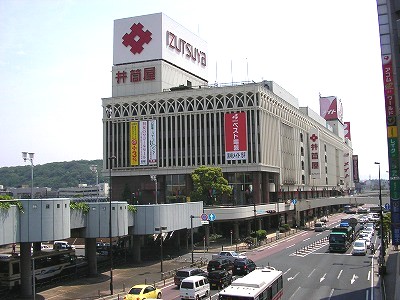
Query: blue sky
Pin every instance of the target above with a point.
(56, 59)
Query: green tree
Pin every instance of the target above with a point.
(209, 185)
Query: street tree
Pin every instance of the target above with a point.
(209, 185)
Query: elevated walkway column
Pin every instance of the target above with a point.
(26, 269)
(90, 253)
(236, 230)
(137, 240)
(249, 227)
(207, 235)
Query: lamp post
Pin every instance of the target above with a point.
(160, 230)
(110, 164)
(382, 267)
(30, 158)
(154, 178)
(93, 168)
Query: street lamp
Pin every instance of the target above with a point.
(110, 161)
(154, 178)
(30, 158)
(382, 268)
(160, 230)
(93, 168)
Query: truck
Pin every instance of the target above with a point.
(230, 255)
(340, 238)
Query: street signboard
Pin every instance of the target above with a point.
(387, 206)
(205, 222)
(204, 217)
(211, 217)
(294, 201)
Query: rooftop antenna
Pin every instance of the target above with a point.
(216, 71)
(232, 71)
(247, 66)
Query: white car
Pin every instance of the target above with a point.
(359, 247)
(367, 241)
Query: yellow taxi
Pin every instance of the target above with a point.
(143, 291)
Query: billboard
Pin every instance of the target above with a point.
(331, 108)
(134, 137)
(156, 37)
(152, 142)
(235, 136)
(143, 134)
(347, 133)
(356, 178)
(315, 168)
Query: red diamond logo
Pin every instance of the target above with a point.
(136, 38)
(313, 138)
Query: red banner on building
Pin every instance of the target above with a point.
(235, 136)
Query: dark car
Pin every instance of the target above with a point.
(219, 279)
(184, 273)
(243, 266)
(219, 264)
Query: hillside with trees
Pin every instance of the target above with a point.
(53, 175)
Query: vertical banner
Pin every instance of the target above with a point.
(356, 178)
(315, 161)
(143, 135)
(152, 142)
(347, 133)
(134, 136)
(235, 136)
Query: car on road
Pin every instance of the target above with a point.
(243, 266)
(219, 279)
(194, 287)
(143, 291)
(359, 247)
(219, 264)
(187, 272)
(319, 226)
(367, 240)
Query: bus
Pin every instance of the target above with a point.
(48, 264)
(261, 284)
(340, 238)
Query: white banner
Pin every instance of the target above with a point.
(152, 142)
(143, 135)
(315, 162)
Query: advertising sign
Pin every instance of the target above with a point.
(347, 134)
(143, 135)
(155, 37)
(331, 108)
(347, 167)
(235, 136)
(356, 177)
(315, 161)
(152, 142)
(134, 137)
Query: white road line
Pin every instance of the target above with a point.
(306, 239)
(290, 246)
(330, 295)
(311, 273)
(287, 271)
(369, 275)
(340, 273)
(293, 296)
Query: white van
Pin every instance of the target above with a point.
(57, 245)
(194, 287)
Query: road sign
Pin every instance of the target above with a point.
(211, 217)
(387, 206)
(294, 201)
(205, 222)
(204, 217)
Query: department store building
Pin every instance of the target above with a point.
(164, 119)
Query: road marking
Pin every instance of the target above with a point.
(291, 278)
(306, 239)
(287, 271)
(340, 273)
(290, 246)
(311, 273)
(322, 278)
(354, 278)
(330, 295)
(369, 275)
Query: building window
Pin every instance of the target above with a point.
(301, 137)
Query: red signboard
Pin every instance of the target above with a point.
(235, 136)
(347, 134)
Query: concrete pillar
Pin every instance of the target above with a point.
(26, 269)
(236, 230)
(136, 248)
(37, 246)
(257, 188)
(249, 227)
(90, 254)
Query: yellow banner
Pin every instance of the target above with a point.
(392, 131)
(134, 135)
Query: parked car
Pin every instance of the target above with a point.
(219, 264)
(143, 291)
(219, 279)
(57, 245)
(187, 272)
(243, 266)
(359, 247)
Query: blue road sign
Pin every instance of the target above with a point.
(387, 206)
(211, 217)
(294, 201)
